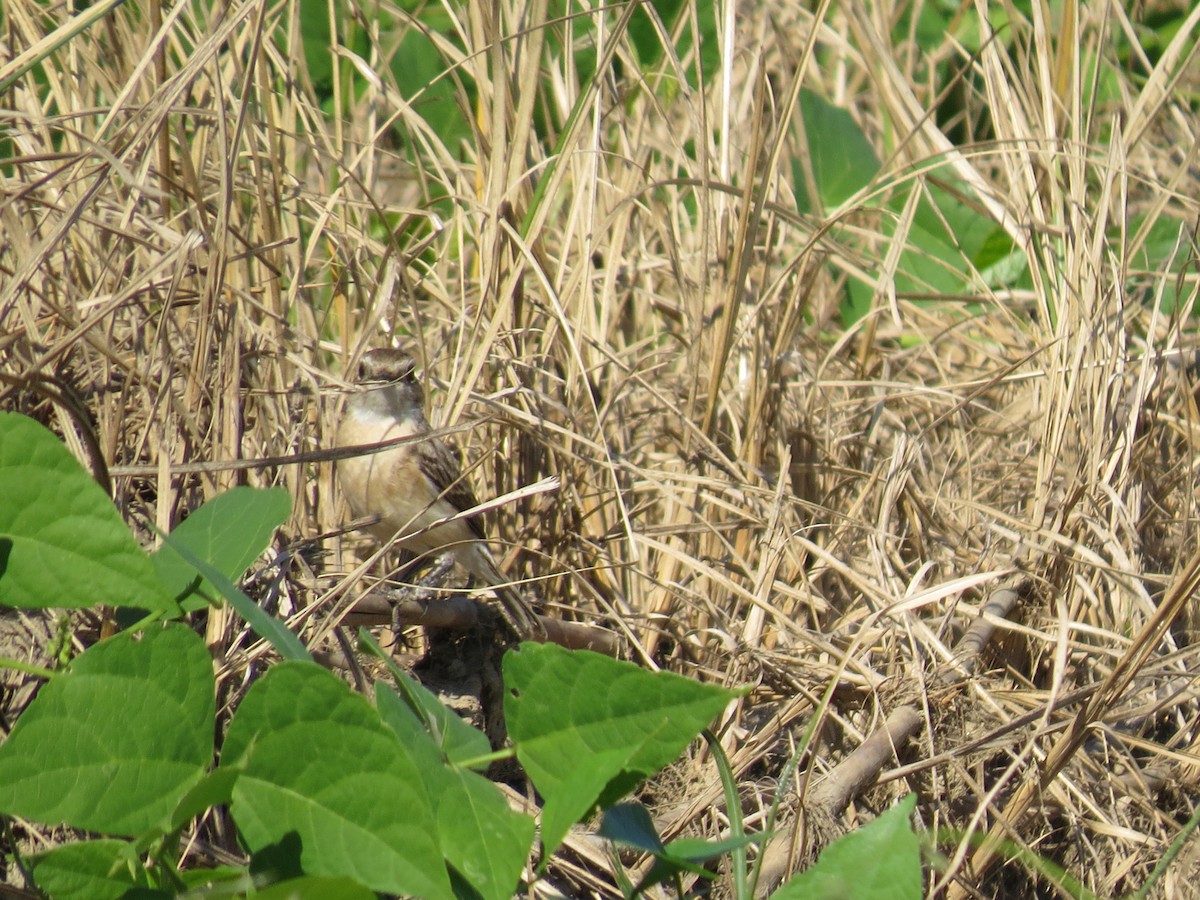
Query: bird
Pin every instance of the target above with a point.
(407, 488)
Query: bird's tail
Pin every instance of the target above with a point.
(519, 615)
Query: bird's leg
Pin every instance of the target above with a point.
(436, 576)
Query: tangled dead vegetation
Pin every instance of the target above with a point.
(950, 543)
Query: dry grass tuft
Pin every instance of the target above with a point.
(610, 282)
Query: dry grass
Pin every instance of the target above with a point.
(194, 253)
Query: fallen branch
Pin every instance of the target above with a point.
(823, 806)
(405, 607)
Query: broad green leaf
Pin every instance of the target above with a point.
(318, 769)
(228, 532)
(485, 840)
(647, 39)
(204, 880)
(691, 855)
(1001, 263)
(214, 789)
(935, 20)
(944, 220)
(579, 791)
(943, 241)
(841, 158)
(420, 70)
(311, 888)
(89, 870)
(1168, 247)
(880, 861)
(276, 632)
(316, 42)
(588, 728)
(62, 542)
(456, 739)
(630, 824)
(694, 851)
(951, 246)
(114, 743)
(948, 240)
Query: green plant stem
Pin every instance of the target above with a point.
(27, 668)
(275, 632)
(482, 762)
(1063, 880)
(733, 807)
(1167, 858)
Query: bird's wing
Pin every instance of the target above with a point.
(441, 465)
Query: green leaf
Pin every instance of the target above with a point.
(229, 532)
(1001, 263)
(277, 634)
(690, 855)
(949, 246)
(1167, 249)
(880, 860)
(316, 42)
(62, 542)
(457, 740)
(630, 824)
(935, 20)
(647, 39)
(315, 889)
(581, 790)
(89, 870)
(321, 771)
(944, 213)
(113, 744)
(485, 840)
(214, 789)
(205, 880)
(420, 69)
(588, 728)
(841, 158)
(944, 238)
(692, 851)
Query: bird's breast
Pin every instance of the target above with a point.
(369, 479)
(390, 485)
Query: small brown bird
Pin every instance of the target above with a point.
(411, 486)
